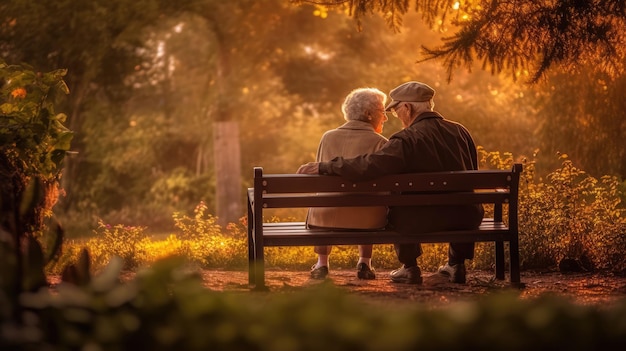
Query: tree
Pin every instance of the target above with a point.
(95, 41)
(144, 101)
(514, 36)
(584, 118)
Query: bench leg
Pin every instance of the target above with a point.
(499, 260)
(251, 260)
(259, 268)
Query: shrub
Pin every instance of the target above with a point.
(570, 215)
(204, 241)
(166, 307)
(126, 242)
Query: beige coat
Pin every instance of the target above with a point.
(351, 139)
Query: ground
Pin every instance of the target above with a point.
(583, 288)
(600, 288)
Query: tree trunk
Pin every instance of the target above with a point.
(227, 172)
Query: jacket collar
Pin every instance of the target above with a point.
(357, 125)
(426, 115)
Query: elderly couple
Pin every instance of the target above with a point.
(427, 143)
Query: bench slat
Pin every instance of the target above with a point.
(486, 224)
(339, 200)
(296, 234)
(436, 181)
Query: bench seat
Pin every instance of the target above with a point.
(296, 234)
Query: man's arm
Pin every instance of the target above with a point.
(388, 160)
(309, 168)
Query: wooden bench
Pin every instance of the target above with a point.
(272, 191)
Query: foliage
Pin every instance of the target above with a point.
(126, 242)
(96, 43)
(33, 137)
(33, 144)
(569, 215)
(582, 112)
(514, 36)
(166, 307)
(198, 239)
(204, 242)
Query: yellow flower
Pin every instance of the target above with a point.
(19, 93)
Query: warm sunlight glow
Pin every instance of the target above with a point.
(456, 5)
(320, 11)
(321, 55)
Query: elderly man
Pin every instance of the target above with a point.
(427, 143)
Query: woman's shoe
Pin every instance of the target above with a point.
(319, 273)
(363, 271)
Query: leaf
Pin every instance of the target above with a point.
(64, 140)
(8, 108)
(63, 87)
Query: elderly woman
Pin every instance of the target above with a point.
(364, 112)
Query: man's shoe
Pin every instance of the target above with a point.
(319, 273)
(455, 272)
(406, 275)
(363, 271)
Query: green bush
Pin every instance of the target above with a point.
(568, 215)
(119, 240)
(166, 307)
(205, 242)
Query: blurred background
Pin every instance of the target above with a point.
(175, 103)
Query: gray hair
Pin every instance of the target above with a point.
(420, 107)
(361, 102)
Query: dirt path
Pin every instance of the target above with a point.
(584, 288)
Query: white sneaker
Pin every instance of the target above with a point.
(455, 272)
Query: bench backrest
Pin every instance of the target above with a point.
(416, 189)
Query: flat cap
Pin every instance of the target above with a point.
(410, 92)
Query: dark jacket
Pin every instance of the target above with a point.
(430, 144)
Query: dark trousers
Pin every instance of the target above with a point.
(415, 220)
(457, 253)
